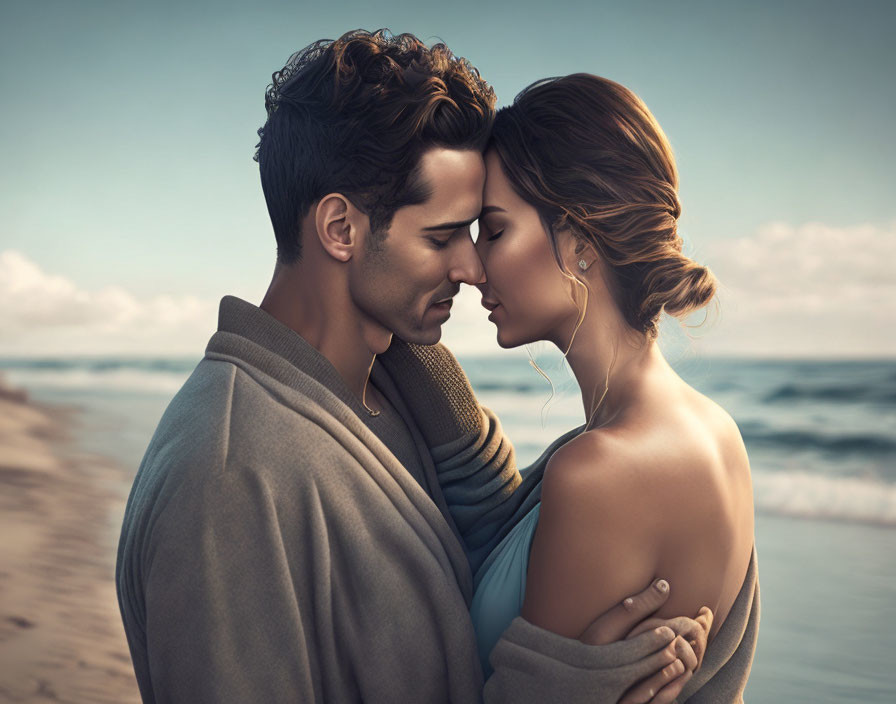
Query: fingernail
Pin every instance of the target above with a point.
(676, 668)
(628, 603)
(650, 693)
(665, 632)
(662, 586)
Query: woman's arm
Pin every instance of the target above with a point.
(594, 542)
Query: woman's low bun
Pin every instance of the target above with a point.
(676, 285)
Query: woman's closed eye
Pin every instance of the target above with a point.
(490, 229)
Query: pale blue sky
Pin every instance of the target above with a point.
(129, 127)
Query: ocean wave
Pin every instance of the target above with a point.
(539, 386)
(867, 444)
(859, 393)
(804, 495)
(100, 364)
(126, 379)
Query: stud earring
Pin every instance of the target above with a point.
(582, 265)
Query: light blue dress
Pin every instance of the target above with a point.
(500, 585)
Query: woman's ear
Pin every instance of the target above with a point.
(578, 254)
(337, 222)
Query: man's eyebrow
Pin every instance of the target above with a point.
(491, 209)
(451, 225)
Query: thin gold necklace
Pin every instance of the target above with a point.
(373, 413)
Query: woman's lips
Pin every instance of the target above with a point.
(493, 306)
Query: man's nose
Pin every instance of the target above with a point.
(467, 266)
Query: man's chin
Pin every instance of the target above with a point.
(422, 336)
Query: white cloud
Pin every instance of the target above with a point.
(42, 313)
(811, 290)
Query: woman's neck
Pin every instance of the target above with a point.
(611, 363)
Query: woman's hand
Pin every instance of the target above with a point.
(677, 660)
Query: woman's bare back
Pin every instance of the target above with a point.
(663, 491)
(704, 494)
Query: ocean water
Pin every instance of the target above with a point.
(821, 436)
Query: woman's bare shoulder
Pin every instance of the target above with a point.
(641, 455)
(642, 478)
(597, 466)
(605, 488)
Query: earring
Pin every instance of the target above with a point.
(582, 265)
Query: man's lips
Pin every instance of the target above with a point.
(446, 299)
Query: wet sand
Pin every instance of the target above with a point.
(61, 638)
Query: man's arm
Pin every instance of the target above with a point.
(475, 461)
(223, 621)
(614, 660)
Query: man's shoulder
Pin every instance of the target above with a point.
(231, 455)
(222, 398)
(227, 426)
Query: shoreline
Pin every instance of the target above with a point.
(61, 637)
(872, 523)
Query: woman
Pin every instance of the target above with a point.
(579, 244)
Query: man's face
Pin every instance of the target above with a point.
(406, 283)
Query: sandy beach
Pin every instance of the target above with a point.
(61, 638)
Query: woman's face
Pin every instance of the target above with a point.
(527, 293)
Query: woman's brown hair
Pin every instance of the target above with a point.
(589, 156)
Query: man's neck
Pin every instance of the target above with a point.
(322, 313)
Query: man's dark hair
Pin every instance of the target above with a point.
(354, 116)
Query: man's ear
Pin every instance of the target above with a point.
(336, 221)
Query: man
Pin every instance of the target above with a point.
(288, 537)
